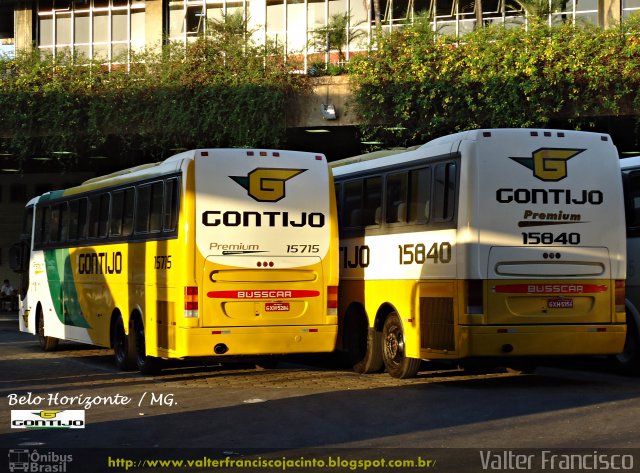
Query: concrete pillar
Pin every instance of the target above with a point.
(153, 24)
(24, 27)
(609, 13)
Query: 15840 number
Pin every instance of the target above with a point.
(548, 238)
(411, 253)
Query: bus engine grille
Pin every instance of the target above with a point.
(436, 323)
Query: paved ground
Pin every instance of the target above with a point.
(311, 405)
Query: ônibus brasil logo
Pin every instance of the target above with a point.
(47, 419)
(266, 184)
(549, 164)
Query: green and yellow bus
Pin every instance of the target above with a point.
(498, 243)
(212, 252)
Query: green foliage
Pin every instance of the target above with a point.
(416, 87)
(220, 90)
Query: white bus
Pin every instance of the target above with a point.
(485, 243)
(630, 358)
(212, 252)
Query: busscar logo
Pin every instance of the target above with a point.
(267, 184)
(549, 164)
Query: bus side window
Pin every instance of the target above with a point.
(54, 226)
(83, 205)
(396, 198)
(444, 192)
(419, 195)
(98, 215)
(117, 207)
(64, 222)
(142, 209)
(121, 218)
(632, 204)
(155, 211)
(59, 223)
(372, 201)
(352, 208)
(39, 228)
(73, 219)
(171, 205)
(127, 211)
(337, 188)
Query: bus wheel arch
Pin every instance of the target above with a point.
(123, 344)
(46, 343)
(396, 362)
(362, 343)
(145, 364)
(629, 359)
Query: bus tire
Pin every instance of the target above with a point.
(46, 343)
(393, 349)
(146, 364)
(363, 345)
(629, 360)
(124, 347)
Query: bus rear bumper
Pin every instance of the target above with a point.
(556, 340)
(239, 341)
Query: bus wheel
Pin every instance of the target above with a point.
(393, 349)
(145, 363)
(629, 359)
(46, 343)
(363, 345)
(124, 347)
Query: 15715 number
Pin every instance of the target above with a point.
(162, 262)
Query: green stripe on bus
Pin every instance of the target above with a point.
(63, 289)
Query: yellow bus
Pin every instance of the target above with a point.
(504, 243)
(212, 252)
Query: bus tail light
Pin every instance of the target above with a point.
(475, 296)
(332, 300)
(191, 302)
(620, 295)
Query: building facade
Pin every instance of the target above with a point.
(111, 30)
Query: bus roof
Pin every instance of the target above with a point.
(632, 162)
(434, 148)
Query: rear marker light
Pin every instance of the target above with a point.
(263, 153)
(220, 332)
(486, 134)
(332, 300)
(310, 330)
(250, 153)
(204, 153)
(191, 302)
(318, 158)
(534, 133)
(276, 154)
(620, 295)
(475, 296)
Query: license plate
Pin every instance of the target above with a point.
(277, 307)
(560, 303)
